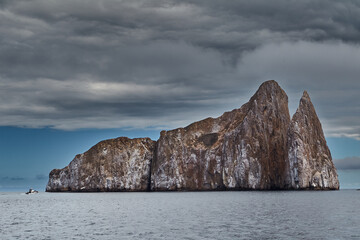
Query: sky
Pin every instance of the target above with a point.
(75, 72)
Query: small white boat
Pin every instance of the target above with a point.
(32, 191)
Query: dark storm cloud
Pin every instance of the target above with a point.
(79, 64)
(347, 163)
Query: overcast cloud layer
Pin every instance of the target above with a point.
(138, 64)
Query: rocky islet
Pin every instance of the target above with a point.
(255, 147)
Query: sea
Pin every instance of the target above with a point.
(181, 215)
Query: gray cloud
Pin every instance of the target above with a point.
(161, 63)
(329, 71)
(347, 163)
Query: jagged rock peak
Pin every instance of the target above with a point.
(269, 86)
(255, 147)
(269, 90)
(242, 149)
(306, 114)
(306, 104)
(306, 95)
(310, 160)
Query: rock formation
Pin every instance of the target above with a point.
(120, 164)
(254, 147)
(311, 165)
(242, 149)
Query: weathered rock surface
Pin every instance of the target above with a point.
(311, 165)
(242, 149)
(254, 147)
(120, 164)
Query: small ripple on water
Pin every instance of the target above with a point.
(189, 215)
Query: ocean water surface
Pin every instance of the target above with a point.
(182, 215)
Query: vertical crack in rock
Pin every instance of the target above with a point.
(254, 147)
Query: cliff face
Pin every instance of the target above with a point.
(242, 149)
(310, 159)
(120, 164)
(253, 147)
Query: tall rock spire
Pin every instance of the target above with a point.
(242, 149)
(254, 147)
(310, 161)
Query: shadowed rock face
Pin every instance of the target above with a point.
(242, 149)
(253, 147)
(120, 164)
(310, 159)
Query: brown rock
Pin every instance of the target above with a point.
(242, 149)
(311, 165)
(120, 164)
(253, 147)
